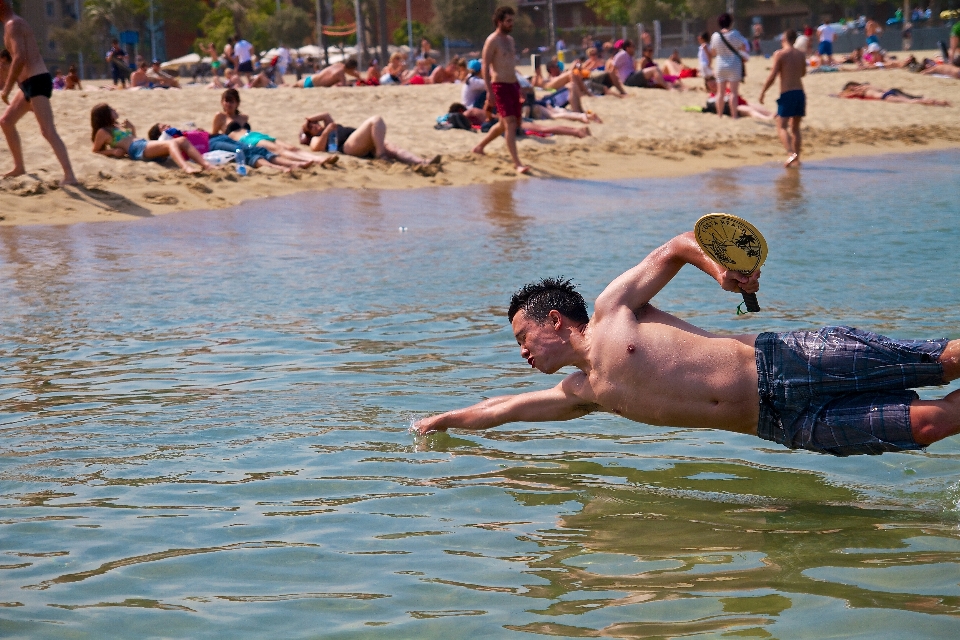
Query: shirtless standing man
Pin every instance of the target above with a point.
(837, 390)
(36, 86)
(500, 76)
(791, 65)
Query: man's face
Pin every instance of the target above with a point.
(538, 342)
(506, 25)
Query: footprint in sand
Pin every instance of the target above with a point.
(160, 198)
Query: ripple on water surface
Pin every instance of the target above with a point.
(204, 421)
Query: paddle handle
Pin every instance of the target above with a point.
(751, 301)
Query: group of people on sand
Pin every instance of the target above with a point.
(231, 132)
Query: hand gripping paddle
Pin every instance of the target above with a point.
(734, 244)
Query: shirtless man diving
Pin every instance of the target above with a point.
(500, 75)
(791, 65)
(36, 86)
(837, 390)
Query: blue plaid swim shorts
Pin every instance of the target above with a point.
(842, 391)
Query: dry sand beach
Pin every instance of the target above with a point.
(646, 134)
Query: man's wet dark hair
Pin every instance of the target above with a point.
(350, 64)
(501, 13)
(790, 35)
(538, 299)
(725, 20)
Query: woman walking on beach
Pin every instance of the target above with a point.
(729, 47)
(115, 141)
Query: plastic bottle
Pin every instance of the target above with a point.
(241, 161)
(332, 142)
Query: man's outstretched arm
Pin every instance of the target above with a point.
(639, 285)
(558, 403)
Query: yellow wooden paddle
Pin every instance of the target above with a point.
(734, 244)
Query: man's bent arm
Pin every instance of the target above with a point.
(558, 403)
(639, 285)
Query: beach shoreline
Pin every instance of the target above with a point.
(645, 135)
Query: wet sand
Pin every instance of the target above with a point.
(646, 134)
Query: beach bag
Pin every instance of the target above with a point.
(199, 139)
(743, 63)
(218, 158)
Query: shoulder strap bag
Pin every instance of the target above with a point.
(743, 63)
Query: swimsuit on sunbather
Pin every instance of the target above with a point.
(236, 126)
(254, 137)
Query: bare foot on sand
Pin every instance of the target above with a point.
(594, 117)
(585, 132)
(193, 169)
(792, 160)
(329, 161)
(13, 173)
(69, 182)
(522, 170)
(478, 150)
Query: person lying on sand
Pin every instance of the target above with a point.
(564, 104)
(623, 66)
(524, 127)
(942, 70)
(230, 122)
(838, 390)
(366, 141)
(261, 81)
(743, 108)
(334, 75)
(866, 91)
(119, 141)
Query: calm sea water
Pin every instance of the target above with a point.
(203, 422)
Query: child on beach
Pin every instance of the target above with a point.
(119, 141)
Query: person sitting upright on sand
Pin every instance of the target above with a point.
(23, 65)
(334, 75)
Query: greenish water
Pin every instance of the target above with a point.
(203, 422)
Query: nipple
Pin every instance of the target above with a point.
(631, 348)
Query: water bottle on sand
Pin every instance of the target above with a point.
(241, 161)
(332, 142)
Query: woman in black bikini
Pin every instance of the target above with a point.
(230, 122)
(366, 141)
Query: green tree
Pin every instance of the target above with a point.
(217, 26)
(459, 20)
(123, 15)
(291, 26)
(420, 31)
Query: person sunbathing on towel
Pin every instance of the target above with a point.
(866, 91)
(230, 122)
(334, 75)
(118, 141)
(366, 141)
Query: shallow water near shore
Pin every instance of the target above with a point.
(203, 421)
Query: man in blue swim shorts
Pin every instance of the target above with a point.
(837, 390)
(791, 65)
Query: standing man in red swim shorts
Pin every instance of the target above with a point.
(500, 75)
(26, 68)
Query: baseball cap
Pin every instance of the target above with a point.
(474, 66)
